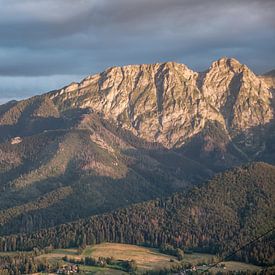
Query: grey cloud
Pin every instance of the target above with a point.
(56, 37)
(20, 87)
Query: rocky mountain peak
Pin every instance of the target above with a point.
(225, 64)
(169, 103)
(158, 102)
(238, 94)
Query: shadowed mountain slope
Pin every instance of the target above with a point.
(126, 135)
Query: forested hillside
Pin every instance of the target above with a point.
(127, 135)
(217, 217)
(85, 167)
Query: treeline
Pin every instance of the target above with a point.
(170, 250)
(27, 263)
(217, 218)
(24, 264)
(125, 265)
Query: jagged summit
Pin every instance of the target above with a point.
(229, 65)
(169, 103)
(226, 62)
(235, 91)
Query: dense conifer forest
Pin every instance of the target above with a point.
(217, 217)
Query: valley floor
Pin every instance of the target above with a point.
(145, 258)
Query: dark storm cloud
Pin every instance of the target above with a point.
(58, 40)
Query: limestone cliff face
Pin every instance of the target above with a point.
(238, 94)
(169, 103)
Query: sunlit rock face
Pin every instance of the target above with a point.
(169, 103)
(242, 98)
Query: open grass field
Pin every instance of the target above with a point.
(146, 258)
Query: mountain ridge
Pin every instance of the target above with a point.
(168, 102)
(128, 135)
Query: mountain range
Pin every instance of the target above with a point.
(127, 135)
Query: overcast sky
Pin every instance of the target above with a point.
(45, 44)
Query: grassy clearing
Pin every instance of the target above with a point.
(146, 258)
(151, 259)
